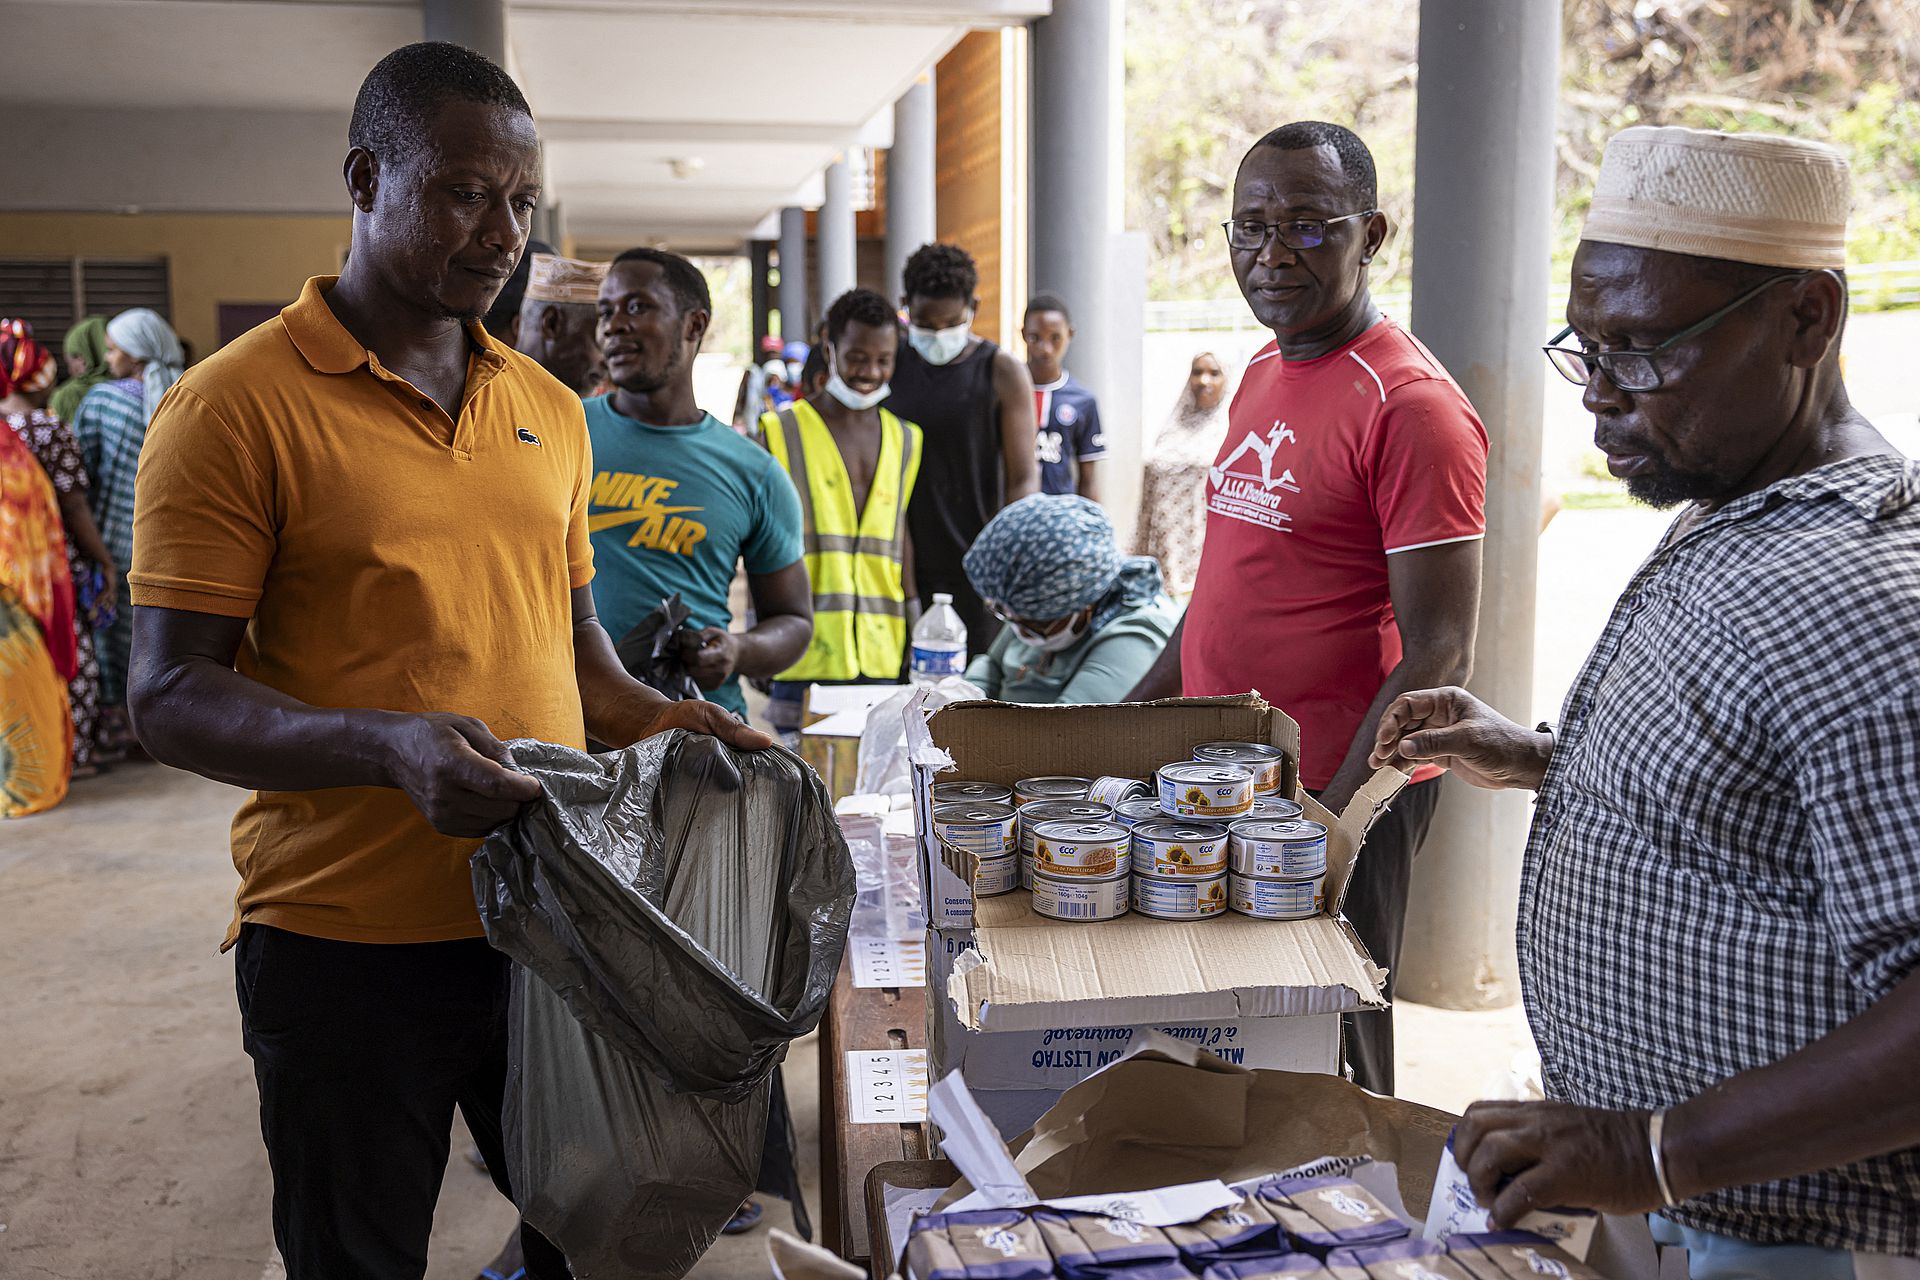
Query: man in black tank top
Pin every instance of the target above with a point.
(974, 404)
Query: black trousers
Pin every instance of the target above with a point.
(362, 1052)
(1377, 908)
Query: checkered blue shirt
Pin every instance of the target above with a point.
(1725, 858)
(111, 425)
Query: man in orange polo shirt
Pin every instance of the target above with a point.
(362, 562)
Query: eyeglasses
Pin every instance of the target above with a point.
(1635, 370)
(1249, 235)
(1047, 628)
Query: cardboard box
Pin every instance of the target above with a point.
(1006, 985)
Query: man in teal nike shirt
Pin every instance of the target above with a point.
(679, 498)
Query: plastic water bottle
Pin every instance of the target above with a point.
(939, 642)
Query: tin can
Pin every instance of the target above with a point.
(1179, 849)
(1135, 812)
(971, 793)
(1051, 787)
(1092, 849)
(1293, 850)
(1264, 762)
(1271, 899)
(1031, 815)
(985, 830)
(997, 876)
(1275, 809)
(1081, 897)
(1193, 790)
(1188, 898)
(1112, 790)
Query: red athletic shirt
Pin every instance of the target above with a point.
(1329, 467)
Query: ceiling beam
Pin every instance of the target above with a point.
(588, 129)
(938, 13)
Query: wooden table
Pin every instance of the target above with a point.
(861, 1018)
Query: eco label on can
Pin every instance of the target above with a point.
(1274, 807)
(1050, 787)
(984, 830)
(1277, 899)
(1112, 790)
(1288, 850)
(1192, 790)
(1194, 899)
(1264, 762)
(971, 793)
(1080, 898)
(997, 876)
(1179, 849)
(1096, 849)
(1133, 812)
(1038, 811)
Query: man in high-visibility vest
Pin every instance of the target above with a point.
(854, 465)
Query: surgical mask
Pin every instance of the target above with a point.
(858, 401)
(939, 346)
(1060, 641)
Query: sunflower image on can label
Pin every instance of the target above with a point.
(985, 830)
(1094, 849)
(1192, 790)
(1291, 850)
(1172, 848)
(1036, 812)
(1080, 897)
(971, 793)
(1050, 787)
(1264, 762)
(997, 876)
(1270, 899)
(1184, 898)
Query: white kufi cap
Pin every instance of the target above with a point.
(1742, 197)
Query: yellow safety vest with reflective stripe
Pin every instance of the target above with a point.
(854, 561)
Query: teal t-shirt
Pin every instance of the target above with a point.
(675, 509)
(1102, 667)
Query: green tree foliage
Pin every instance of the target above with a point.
(1205, 78)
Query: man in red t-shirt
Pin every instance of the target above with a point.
(1344, 516)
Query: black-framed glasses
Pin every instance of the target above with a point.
(1250, 235)
(1636, 370)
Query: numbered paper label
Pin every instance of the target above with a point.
(887, 1086)
(888, 962)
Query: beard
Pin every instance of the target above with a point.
(1663, 486)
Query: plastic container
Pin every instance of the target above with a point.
(939, 642)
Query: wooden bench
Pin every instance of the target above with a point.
(861, 1018)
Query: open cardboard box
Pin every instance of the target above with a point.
(996, 968)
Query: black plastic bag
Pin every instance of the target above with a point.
(679, 910)
(651, 650)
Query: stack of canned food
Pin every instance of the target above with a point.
(1209, 834)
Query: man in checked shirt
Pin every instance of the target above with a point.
(1720, 906)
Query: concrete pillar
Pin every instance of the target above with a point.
(479, 25)
(838, 269)
(1078, 124)
(759, 259)
(911, 182)
(1483, 210)
(795, 321)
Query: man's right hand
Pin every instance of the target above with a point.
(457, 773)
(1452, 728)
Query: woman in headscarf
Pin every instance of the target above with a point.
(1173, 490)
(26, 371)
(144, 358)
(86, 353)
(37, 652)
(1083, 621)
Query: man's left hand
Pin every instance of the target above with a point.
(702, 717)
(1522, 1156)
(709, 655)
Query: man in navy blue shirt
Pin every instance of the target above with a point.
(1069, 438)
